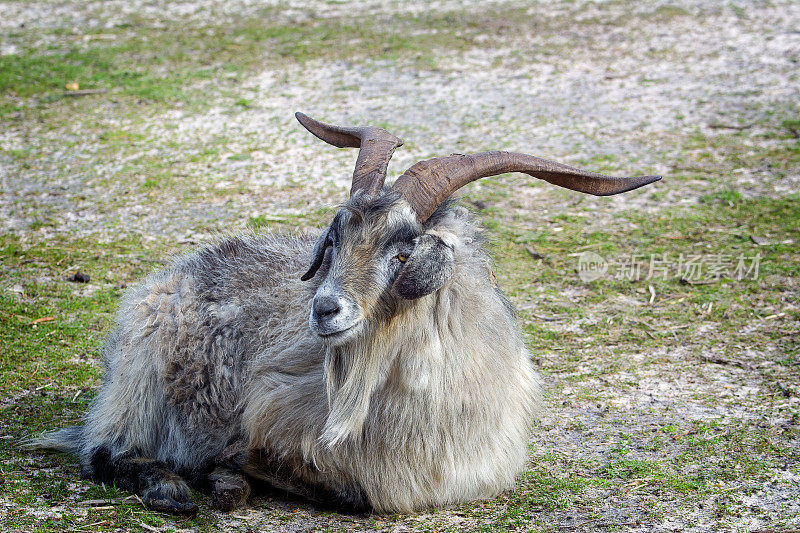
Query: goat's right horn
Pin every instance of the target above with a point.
(428, 183)
(376, 148)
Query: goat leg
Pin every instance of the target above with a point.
(303, 479)
(160, 488)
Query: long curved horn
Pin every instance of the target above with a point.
(376, 148)
(429, 183)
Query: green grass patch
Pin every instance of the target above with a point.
(629, 469)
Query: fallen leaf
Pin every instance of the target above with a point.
(40, 320)
(72, 86)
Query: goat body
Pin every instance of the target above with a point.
(212, 365)
(391, 375)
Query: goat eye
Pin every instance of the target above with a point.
(402, 258)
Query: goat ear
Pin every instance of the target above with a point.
(427, 268)
(317, 255)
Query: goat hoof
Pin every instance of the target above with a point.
(165, 504)
(228, 500)
(229, 490)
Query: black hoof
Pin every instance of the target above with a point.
(229, 490)
(165, 504)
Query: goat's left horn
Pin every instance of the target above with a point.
(429, 183)
(376, 148)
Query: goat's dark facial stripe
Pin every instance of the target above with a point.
(337, 227)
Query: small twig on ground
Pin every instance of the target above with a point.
(94, 524)
(138, 499)
(727, 362)
(93, 503)
(651, 326)
(84, 92)
(635, 483)
(40, 320)
(724, 126)
(597, 523)
(533, 253)
(547, 318)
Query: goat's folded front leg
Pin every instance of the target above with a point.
(303, 479)
(160, 488)
(287, 472)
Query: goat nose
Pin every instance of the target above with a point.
(326, 306)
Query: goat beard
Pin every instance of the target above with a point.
(353, 371)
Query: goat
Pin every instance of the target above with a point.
(391, 375)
